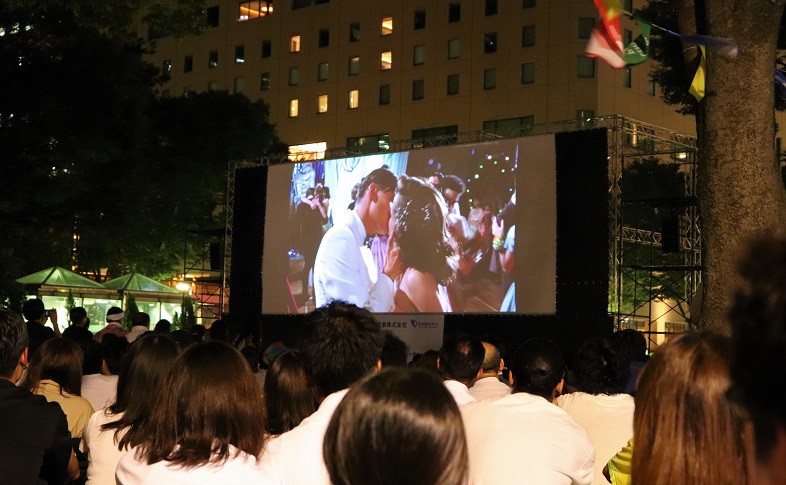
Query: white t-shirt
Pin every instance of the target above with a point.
(607, 419)
(101, 448)
(459, 392)
(489, 388)
(100, 390)
(525, 439)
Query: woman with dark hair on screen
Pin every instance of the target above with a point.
(427, 252)
(289, 396)
(207, 428)
(397, 426)
(111, 432)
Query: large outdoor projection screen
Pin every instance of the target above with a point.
(510, 179)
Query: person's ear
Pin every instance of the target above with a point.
(510, 377)
(501, 365)
(23, 359)
(438, 364)
(378, 367)
(373, 192)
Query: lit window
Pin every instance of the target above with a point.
(294, 43)
(454, 48)
(324, 38)
(264, 82)
(418, 89)
(650, 86)
(420, 19)
(354, 66)
(166, 68)
(293, 108)
(528, 73)
(386, 60)
(322, 103)
(307, 151)
(490, 42)
(384, 94)
(188, 63)
(489, 78)
(387, 26)
(585, 67)
(627, 78)
(322, 71)
(240, 54)
(453, 84)
(240, 85)
(212, 86)
(267, 48)
(454, 12)
(254, 9)
(212, 60)
(353, 99)
(294, 76)
(419, 55)
(528, 36)
(586, 24)
(354, 31)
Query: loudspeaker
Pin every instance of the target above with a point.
(215, 256)
(670, 234)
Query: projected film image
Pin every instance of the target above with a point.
(435, 230)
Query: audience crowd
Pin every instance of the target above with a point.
(347, 406)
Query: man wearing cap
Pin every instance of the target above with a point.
(114, 324)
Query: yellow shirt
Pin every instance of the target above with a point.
(77, 409)
(620, 465)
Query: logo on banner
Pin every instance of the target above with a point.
(417, 324)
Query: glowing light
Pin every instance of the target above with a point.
(503, 170)
(183, 286)
(477, 176)
(495, 162)
(488, 157)
(481, 166)
(507, 158)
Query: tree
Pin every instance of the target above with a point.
(740, 188)
(131, 311)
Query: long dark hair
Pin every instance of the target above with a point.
(143, 369)
(289, 396)
(212, 401)
(60, 360)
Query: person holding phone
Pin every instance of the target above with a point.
(37, 316)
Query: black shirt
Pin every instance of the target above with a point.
(38, 334)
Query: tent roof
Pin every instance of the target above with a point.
(57, 276)
(137, 282)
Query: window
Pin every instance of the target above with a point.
(489, 78)
(585, 67)
(627, 78)
(296, 4)
(491, 7)
(650, 86)
(240, 85)
(354, 66)
(627, 37)
(354, 31)
(212, 14)
(267, 49)
(264, 81)
(586, 24)
(454, 48)
(384, 94)
(419, 55)
(386, 60)
(528, 73)
(447, 132)
(212, 86)
(453, 84)
(240, 54)
(454, 12)
(418, 89)
(188, 63)
(324, 38)
(354, 96)
(294, 43)
(528, 36)
(212, 60)
(294, 76)
(584, 117)
(510, 126)
(166, 68)
(490, 42)
(370, 143)
(528, 4)
(293, 108)
(254, 9)
(420, 19)
(322, 71)
(387, 26)
(322, 103)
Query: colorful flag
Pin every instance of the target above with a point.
(637, 51)
(697, 85)
(726, 47)
(602, 46)
(780, 81)
(610, 16)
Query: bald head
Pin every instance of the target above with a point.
(491, 360)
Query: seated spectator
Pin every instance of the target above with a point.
(114, 324)
(55, 372)
(488, 385)
(632, 345)
(426, 361)
(289, 396)
(37, 316)
(218, 331)
(459, 361)
(523, 438)
(198, 332)
(35, 445)
(99, 385)
(685, 430)
(206, 429)
(141, 322)
(394, 351)
(601, 405)
(78, 331)
(398, 426)
(163, 327)
(110, 433)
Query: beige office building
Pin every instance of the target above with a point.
(366, 72)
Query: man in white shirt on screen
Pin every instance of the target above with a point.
(340, 272)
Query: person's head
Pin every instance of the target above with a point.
(115, 315)
(115, 349)
(600, 369)
(198, 332)
(310, 193)
(460, 358)
(538, 368)
(163, 326)
(452, 187)
(435, 179)
(629, 343)
(342, 343)
(492, 360)
(426, 361)
(212, 401)
(59, 360)
(397, 426)
(93, 357)
(758, 324)
(33, 310)
(685, 429)
(289, 396)
(218, 331)
(394, 351)
(13, 342)
(78, 317)
(374, 197)
(420, 231)
(141, 319)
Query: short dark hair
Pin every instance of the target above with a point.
(58, 359)
(141, 318)
(600, 369)
(163, 326)
(758, 324)
(93, 356)
(452, 182)
(289, 396)
(33, 309)
(630, 343)
(115, 349)
(460, 358)
(381, 177)
(394, 351)
(537, 366)
(342, 343)
(13, 341)
(397, 426)
(76, 315)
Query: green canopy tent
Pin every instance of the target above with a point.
(156, 299)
